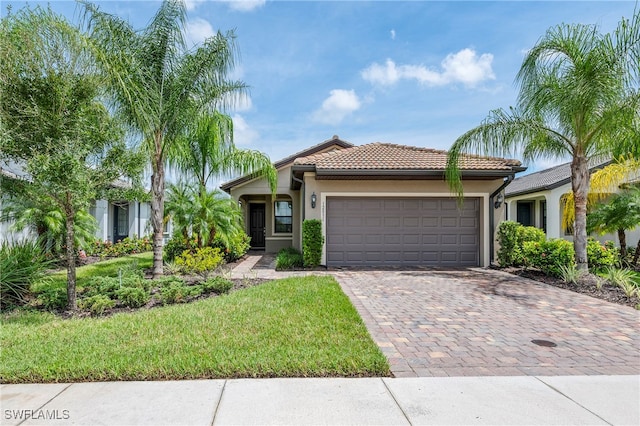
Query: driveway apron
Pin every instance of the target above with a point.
(486, 323)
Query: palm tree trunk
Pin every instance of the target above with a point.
(157, 213)
(580, 187)
(636, 255)
(622, 237)
(71, 258)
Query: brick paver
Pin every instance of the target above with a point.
(481, 323)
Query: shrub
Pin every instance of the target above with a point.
(312, 241)
(289, 258)
(133, 297)
(168, 281)
(109, 286)
(176, 246)
(178, 292)
(97, 304)
(218, 285)
(202, 261)
(548, 256)
(237, 247)
(52, 298)
(599, 256)
(120, 248)
(530, 234)
(509, 252)
(21, 264)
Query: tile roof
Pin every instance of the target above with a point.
(334, 141)
(547, 179)
(386, 156)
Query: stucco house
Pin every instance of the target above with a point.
(537, 200)
(116, 219)
(379, 204)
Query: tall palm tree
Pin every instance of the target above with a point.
(207, 151)
(578, 97)
(159, 86)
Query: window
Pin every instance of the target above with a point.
(525, 213)
(283, 217)
(543, 214)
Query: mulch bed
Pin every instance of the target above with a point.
(587, 285)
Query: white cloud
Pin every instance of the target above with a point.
(393, 34)
(192, 4)
(337, 106)
(244, 5)
(198, 30)
(243, 134)
(464, 67)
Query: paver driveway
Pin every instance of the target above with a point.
(480, 322)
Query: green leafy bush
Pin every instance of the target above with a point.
(509, 252)
(133, 297)
(289, 258)
(109, 286)
(202, 261)
(238, 246)
(120, 248)
(312, 241)
(52, 298)
(548, 256)
(176, 246)
(21, 264)
(97, 304)
(219, 285)
(178, 292)
(599, 256)
(530, 233)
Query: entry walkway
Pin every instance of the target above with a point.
(574, 400)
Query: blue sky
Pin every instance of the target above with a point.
(414, 73)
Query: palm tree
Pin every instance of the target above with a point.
(578, 97)
(619, 214)
(208, 151)
(158, 86)
(603, 183)
(204, 214)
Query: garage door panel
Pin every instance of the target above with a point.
(449, 239)
(402, 231)
(449, 222)
(468, 222)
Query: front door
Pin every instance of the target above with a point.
(257, 225)
(120, 223)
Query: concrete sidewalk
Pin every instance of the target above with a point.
(580, 400)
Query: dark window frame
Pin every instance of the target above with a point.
(282, 224)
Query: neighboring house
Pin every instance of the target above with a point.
(380, 204)
(537, 200)
(116, 219)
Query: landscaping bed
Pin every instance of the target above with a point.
(607, 291)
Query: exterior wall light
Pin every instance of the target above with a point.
(499, 200)
(313, 200)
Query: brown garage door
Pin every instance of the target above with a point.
(366, 231)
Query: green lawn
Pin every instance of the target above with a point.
(295, 327)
